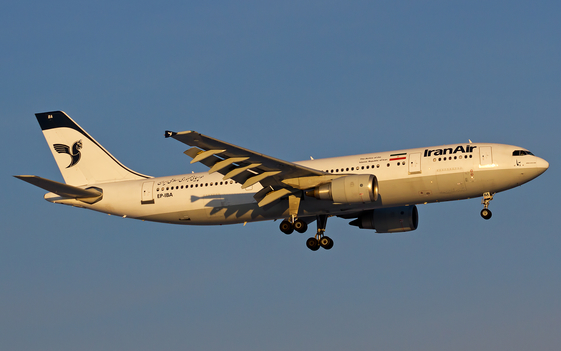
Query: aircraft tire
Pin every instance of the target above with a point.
(300, 226)
(486, 213)
(326, 242)
(312, 244)
(286, 227)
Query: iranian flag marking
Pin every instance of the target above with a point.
(397, 157)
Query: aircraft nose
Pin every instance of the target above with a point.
(542, 164)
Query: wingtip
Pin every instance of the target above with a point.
(169, 133)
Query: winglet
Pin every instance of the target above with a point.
(169, 133)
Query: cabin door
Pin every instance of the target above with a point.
(485, 155)
(147, 196)
(415, 163)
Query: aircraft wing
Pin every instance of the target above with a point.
(278, 178)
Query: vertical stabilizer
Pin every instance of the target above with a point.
(81, 159)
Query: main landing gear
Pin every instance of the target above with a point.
(288, 226)
(314, 243)
(320, 239)
(486, 212)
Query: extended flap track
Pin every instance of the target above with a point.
(237, 168)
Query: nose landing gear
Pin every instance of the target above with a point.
(486, 212)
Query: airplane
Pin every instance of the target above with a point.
(377, 191)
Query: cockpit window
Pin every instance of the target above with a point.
(521, 153)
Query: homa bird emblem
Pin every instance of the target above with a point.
(75, 153)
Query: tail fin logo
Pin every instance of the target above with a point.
(74, 154)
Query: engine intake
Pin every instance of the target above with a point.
(360, 188)
(389, 220)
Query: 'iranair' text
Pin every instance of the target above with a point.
(449, 151)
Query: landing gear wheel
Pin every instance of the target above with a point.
(286, 227)
(326, 242)
(486, 213)
(300, 226)
(312, 244)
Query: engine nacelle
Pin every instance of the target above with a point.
(359, 188)
(389, 220)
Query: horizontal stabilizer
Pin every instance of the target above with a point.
(60, 189)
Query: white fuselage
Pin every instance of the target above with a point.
(405, 177)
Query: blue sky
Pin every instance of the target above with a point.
(291, 80)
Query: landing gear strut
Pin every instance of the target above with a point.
(486, 212)
(320, 239)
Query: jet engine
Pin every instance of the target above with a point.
(360, 188)
(389, 220)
